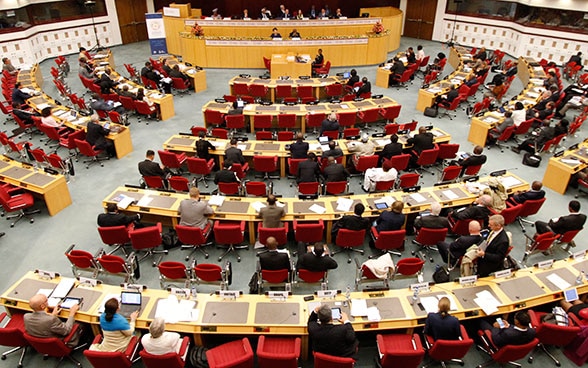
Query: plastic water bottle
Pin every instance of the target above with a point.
(580, 278)
(348, 292)
(415, 297)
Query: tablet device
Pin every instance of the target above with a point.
(381, 205)
(69, 302)
(346, 75)
(336, 313)
(570, 295)
(107, 126)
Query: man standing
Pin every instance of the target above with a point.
(272, 214)
(574, 221)
(328, 338)
(299, 149)
(316, 261)
(43, 324)
(273, 259)
(193, 211)
(453, 251)
(491, 253)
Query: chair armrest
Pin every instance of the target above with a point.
(72, 333)
(242, 226)
(69, 249)
(2, 316)
(132, 347)
(159, 227)
(97, 339)
(574, 320)
(486, 337)
(99, 253)
(427, 343)
(535, 318)
(185, 345)
(245, 166)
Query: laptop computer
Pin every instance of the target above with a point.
(346, 75)
(324, 142)
(571, 295)
(130, 301)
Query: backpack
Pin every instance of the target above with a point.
(197, 357)
(531, 160)
(253, 284)
(440, 275)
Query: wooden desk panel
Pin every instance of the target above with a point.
(198, 77)
(560, 169)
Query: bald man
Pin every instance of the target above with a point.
(273, 259)
(459, 247)
(40, 323)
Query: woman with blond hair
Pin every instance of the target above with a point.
(441, 325)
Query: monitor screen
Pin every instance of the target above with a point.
(571, 295)
(129, 297)
(323, 140)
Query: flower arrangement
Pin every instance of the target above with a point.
(378, 28)
(197, 30)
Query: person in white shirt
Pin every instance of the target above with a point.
(420, 54)
(519, 114)
(159, 342)
(376, 174)
(48, 119)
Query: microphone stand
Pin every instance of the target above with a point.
(90, 4)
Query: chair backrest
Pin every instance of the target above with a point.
(335, 89)
(410, 126)
(258, 90)
(510, 213)
(237, 168)
(553, 334)
(568, 236)
(169, 360)
(262, 121)
(127, 102)
(280, 352)
(308, 232)
(283, 90)
(280, 233)
(544, 241)
(314, 120)
(404, 351)
(450, 173)
(39, 155)
(409, 266)
(264, 135)
(179, 183)
(329, 361)
(213, 117)
(235, 121)
(146, 237)
(511, 353)
(256, 188)
(228, 232)
(336, 187)
(229, 188)
(408, 180)
(524, 127)
(51, 346)
(400, 162)
(383, 186)
(391, 113)
(428, 236)
(333, 134)
(114, 235)
(346, 118)
(240, 89)
(445, 350)
(198, 166)
(461, 227)
(311, 276)
(169, 159)
(12, 332)
(107, 359)
(472, 170)
(85, 148)
(531, 207)
(173, 270)
(448, 151)
(350, 132)
(428, 157)
(506, 134)
(350, 238)
(112, 264)
(190, 235)
(305, 91)
(81, 259)
(154, 182)
(275, 276)
(309, 188)
(367, 162)
(390, 129)
(265, 163)
(285, 135)
(390, 239)
(220, 133)
(208, 272)
(369, 116)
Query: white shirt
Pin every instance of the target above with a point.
(518, 116)
(168, 342)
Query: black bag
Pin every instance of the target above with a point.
(431, 112)
(531, 160)
(197, 357)
(511, 263)
(169, 240)
(440, 275)
(253, 284)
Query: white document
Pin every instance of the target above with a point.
(63, 288)
(359, 308)
(570, 161)
(314, 146)
(373, 314)
(280, 204)
(144, 201)
(125, 202)
(216, 200)
(418, 197)
(257, 206)
(344, 204)
(242, 147)
(487, 302)
(430, 303)
(509, 181)
(317, 209)
(449, 194)
(558, 281)
(45, 292)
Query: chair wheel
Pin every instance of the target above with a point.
(239, 259)
(11, 225)
(220, 259)
(530, 360)
(206, 256)
(3, 357)
(32, 221)
(188, 258)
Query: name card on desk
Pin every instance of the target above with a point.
(579, 255)
(326, 293)
(468, 280)
(128, 286)
(180, 292)
(503, 274)
(545, 264)
(47, 274)
(229, 294)
(89, 282)
(278, 295)
(421, 287)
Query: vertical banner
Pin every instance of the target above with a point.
(156, 33)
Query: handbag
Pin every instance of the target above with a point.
(440, 275)
(431, 112)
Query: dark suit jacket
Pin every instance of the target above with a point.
(225, 176)
(389, 221)
(150, 168)
(442, 328)
(235, 155)
(314, 263)
(299, 149)
(391, 149)
(115, 219)
(473, 160)
(106, 83)
(431, 222)
(353, 222)
(338, 340)
(335, 152)
(459, 247)
(365, 88)
(328, 125)
(568, 223)
(19, 96)
(335, 172)
(202, 148)
(397, 67)
(421, 142)
(473, 212)
(273, 261)
(511, 336)
(493, 259)
(352, 80)
(308, 171)
(96, 135)
(531, 194)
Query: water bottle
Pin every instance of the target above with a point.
(415, 297)
(323, 286)
(348, 292)
(580, 278)
(194, 293)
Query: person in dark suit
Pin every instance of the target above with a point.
(396, 70)
(299, 149)
(234, 153)
(492, 259)
(106, 83)
(458, 248)
(391, 149)
(482, 54)
(351, 222)
(353, 78)
(176, 73)
(316, 261)
(328, 338)
(479, 210)
(574, 221)
(442, 326)
(150, 73)
(319, 59)
(113, 217)
(333, 150)
(18, 95)
(446, 99)
(203, 147)
(96, 136)
(546, 133)
(329, 124)
(335, 171)
(476, 158)
(433, 220)
(226, 175)
(519, 334)
(149, 168)
(521, 197)
(273, 260)
(308, 171)
(421, 141)
(366, 87)
(392, 219)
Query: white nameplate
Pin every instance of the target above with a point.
(138, 287)
(503, 274)
(545, 264)
(422, 287)
(47, 274)
(579, 255)
(468, 280)
(229, 294)
(278, 295)
(181, 292)
(326, 293)
(88, 281)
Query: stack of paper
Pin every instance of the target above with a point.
(373, 314)
(216, 200)
(174, 311)
(487, 302)
(344, 204)
(317, 209)
(359, 308)
(257, 206)
(558, 281)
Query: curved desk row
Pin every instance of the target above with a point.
(533, 78)
(119, 135)
(251, 110)
(198, 77)
(560, 169)
(52, 188)
(253, 315)
(457, 57)
(187, 144)
(155, 206)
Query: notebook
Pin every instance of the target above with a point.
(130, 301)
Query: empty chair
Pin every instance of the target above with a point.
(55, 346)
(366, 162)
(240, 170)
(472, 170)
(450, 351)
(552, 334)
(368, 116)
(450, 173)
(262, 121)
(179, 184)
(155, 182)
(256, 188)
(530, 207)
(280, 352)
(283, 91)
(12, 335)
(82, 260)
(200, 167)
(389, 241)
(231, 189)
(169, 360)
(400, 162)
(567, 238)
(408, 267)
(180, 85)
(115, 236)
(193, 238)
(264, 135)
(390, 129)
(240, 89)
(146, 240)
(144, 109)
(258, 91)
(220, 133)
(539, 243)
(173, 272)
(213, 118)
(235, 122)
(15, 201)
(311, 188)
(314, 121)
(427, 158)
(304, 92)
(119, 266)
(116, 359)
(232, 354)
(408, 180)
(212, 274)
(346, 119)
(87, 150)
(329, 361)
(453, 106)
(390, 114)
(266, 165)
(447, 151)
(287, 121)
(336, 187)
(510, 214)
(230, 233)
(172, 160)
(349, 240)
(334, 90)
(308, 232)
(399, 350)
(428, 238)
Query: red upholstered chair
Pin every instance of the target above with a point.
(447, 151)
(539, 243)
(427, 158)
(450, 351)
(212, 274)
(231, 234)
(173, 272)
(308, 232)
(12, 201)
(200, 167)
(350, 132)
(332, 134)
(144, 109)
(325, 69)
(404, 79)
(408, 267)
(504, 137)
(172, 160)
(400, 350)
(461, 227)
(410, 126)
(180, 85)
(119, 266)
(334, 90)
(263, 135)
(240, 170)
(329, 361)
(146, 239)
(391, 128)
(472, 170)
(82, 260)
(262, 121)
(280, 233)
(363, 274)
(384, 186)
(390, 114)
(428, 238)
(235, 122)
(194, 238)
(12, 335)
(116, 359)
(450, 173)
(349, 240)
(240, 89)
(169, 360)
(310, 188)
(510, 214)
(336, 187)
(304, 92)
(40, 156)
(213, 118)
(280, 352)
(400, 162)
(453, 106)
(272, 278)
(179, 184)
(389, 241)
(266, 165)
(530, 207)
(258, 91)
(127, 103)
(368, 116)
(567, 238)
(55, 346)
(314, 121)
(155, 182)
(197, 129)
(407, 180)
(234, 354)
(552, 334)
(507, 354)
(366, 162)
(283, 91)
(87, 150)
(115, 236)
(346, 119)
(285, 135)
(287, 121)
(256, 188)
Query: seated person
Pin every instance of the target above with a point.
(410, 56)
(441, 325)
(376, 174)
(481, 54)
(446, 99)
(576, 60)
(96, 135)
(319, 59)
(308, 170)
(392, 219)
(41, 323)
(391, 149)
(574, 221)
(335, 171)
(176, 73)
(351, 222)
(98, 103)
(166, 68)
(152, 106)
(317, 260)
(540, 113)
(536, 141)
(491, 253)
(234, 153)
(116, 330)
(195, 212)
(353, 78)
(421, 141)
(273, 259)
(106, 82)
(329, 338)
(126, 91)
(396, 70)
(576, 306)
(149, 168)
(150, 73)
(203, 147)
(329, 124)
(272, 214)
(497, 131)
(496, 91)
(159, 341)
(519, 114)
(294, 34)
(365, 147)
(299, 149)
(25, 113)
(479, 210)
(518, 334)
(275, 33)
(579, 102)
(451, 252)
(432, 220)
(521, 197)
(226, 175)
(366, 87)
(333, 150)
(113, 217)
(47, 119)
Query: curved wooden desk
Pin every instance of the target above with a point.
(253, 315)
(560, 169)
(198, 77)
(121, 138)
(251, 110)
(533, 78)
